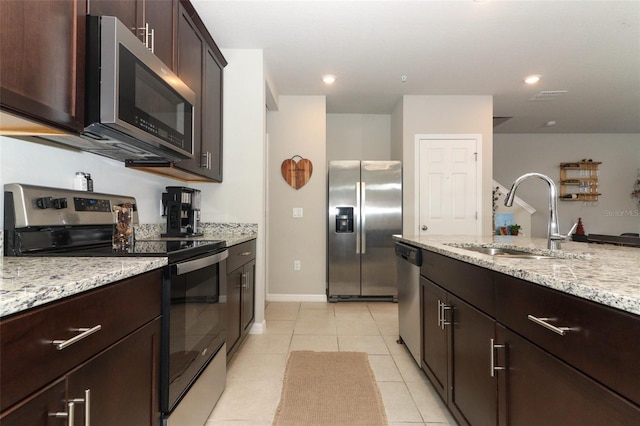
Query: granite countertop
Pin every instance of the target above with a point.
(605, 274)
(27, 282)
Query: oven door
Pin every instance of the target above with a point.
(194, 319)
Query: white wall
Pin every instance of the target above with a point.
(615, 212)
(444, 115)
(397, 132)
(297, 128)
(241, 195)
(358, 137)
(46, 165)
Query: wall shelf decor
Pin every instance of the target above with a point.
(579, 181)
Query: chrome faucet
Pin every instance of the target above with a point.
(553, 234)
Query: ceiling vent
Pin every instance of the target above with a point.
(547, 95)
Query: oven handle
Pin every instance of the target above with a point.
(192, 265)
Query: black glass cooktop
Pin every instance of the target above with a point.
(175, 250)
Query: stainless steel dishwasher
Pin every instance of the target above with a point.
(408, 261)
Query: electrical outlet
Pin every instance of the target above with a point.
(296, 265)
(297, 212)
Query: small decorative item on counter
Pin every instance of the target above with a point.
(80, 181)
(123, 230)
(83, 182)
(579, 235)
(89, 182)
(514, 229)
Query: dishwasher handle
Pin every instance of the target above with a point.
(409, 253)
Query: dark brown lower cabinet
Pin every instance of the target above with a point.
(116, 368)
(473, 391)
(234, 291)
(457, 357)
(539, 389)
(122, 382)
(241, 267)
(493, 363)
(36, 410)
(435, 350)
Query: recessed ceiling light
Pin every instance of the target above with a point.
(532, 79)
(329, 79)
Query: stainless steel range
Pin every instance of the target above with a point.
(42, 221)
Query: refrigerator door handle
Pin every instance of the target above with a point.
(363, 221)
(358, 217)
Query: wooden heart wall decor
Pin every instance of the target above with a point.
(296, 173)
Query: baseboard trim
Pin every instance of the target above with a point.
(296, 298)
(258, 327)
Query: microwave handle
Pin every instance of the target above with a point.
(203, 262)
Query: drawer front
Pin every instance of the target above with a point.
(30, 359)
(471, 283)
(241, 254)
(600, 341)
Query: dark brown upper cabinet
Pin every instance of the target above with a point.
(151, 21)
(42, 56)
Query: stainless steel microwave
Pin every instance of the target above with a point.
(136, 108)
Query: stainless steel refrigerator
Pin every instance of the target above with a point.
(365, 210)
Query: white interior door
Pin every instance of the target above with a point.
(448, 176)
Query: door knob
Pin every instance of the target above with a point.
(425, 227)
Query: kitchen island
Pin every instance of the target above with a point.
(522, 340)
(605, 274)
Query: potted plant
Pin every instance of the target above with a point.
(514, 229)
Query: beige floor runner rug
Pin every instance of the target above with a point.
(329, 388)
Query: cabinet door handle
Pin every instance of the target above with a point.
(245, 253)
(442, 314)
(69, 414)
(84, 332)
(492, 360)
(87, 406)
(543, 322)
(153, 40)
(245, 281)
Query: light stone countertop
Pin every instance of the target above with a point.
(605, 274)
(27, 282)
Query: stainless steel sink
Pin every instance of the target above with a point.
(507, 252)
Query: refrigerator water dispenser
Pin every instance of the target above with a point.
(344, 220)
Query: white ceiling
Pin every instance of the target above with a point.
(591, 49)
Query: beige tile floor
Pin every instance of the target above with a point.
(254, 375)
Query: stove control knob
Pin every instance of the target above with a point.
(44, 202)
(60, 203)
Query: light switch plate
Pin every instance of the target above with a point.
(297, 212)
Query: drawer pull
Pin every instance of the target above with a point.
(543, 322)
(85, 332)
(245, 253)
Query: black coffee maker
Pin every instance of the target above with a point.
(181, 206)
